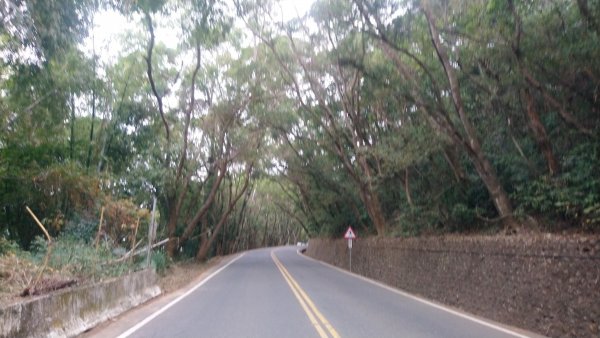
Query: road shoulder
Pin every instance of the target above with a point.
(117, 325)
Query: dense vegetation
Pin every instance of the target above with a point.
(396, 117)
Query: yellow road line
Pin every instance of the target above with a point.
(312, 305)
(305, 301)
(310, 315)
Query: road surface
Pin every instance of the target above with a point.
(280, 293)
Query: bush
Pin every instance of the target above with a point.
(39, 246)
(81, 228)
(160, 262)
(573, 196)
(414, 222)
(73, 257)
(7, 246)
(463, 215)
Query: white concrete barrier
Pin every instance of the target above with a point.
(71, 311)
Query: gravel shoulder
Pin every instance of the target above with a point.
(180, 274)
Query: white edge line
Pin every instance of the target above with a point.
(175, 301)
(422, 300)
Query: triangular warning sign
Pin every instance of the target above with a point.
(349, 234)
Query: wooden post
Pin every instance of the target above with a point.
(99, 228)
(137, 224)
(151, 231)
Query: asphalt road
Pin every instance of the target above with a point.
(280, 293)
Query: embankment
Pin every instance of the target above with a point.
(546, 284)
(72, 311)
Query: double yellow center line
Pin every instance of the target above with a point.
(314, 315)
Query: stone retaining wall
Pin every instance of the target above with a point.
(71, 311)
(546, 284)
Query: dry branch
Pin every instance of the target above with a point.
(131, 253)
(48, 252)
(37, 221)
(47, 286)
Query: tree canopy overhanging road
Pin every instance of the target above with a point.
(253, 127)
(279, 293)
(241, 124)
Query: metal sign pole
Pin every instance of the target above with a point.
(350, 249)
(350, 235)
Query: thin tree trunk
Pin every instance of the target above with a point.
(91, 144)
(539, 134)
(407, 189)
(530, 164)
(264, 239)
(203, 250)
(149, 72)
(110, 130)
(72, 137)
(89, 154)
(452, 158)
(191, 225)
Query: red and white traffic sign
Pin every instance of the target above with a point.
(349, 234)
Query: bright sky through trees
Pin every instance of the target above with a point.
(111, 27)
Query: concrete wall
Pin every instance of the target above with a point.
(546, 284)
(71, 311)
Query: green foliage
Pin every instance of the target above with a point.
(160, 261)
(462, 214)
(55, 192)
(38, 246)
(81, 228)
(7, 246)
(573, 196)
(77, 258)
(45, 27)
(415, 222)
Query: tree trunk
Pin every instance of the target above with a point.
(91, 144)
(191, 225)
(264, 239)
(205, 246)
(370, 197)
(451, 156)
(539, 134)
(483, 166)
(497, 193)
(407, 189)
(72, 137)
(373, 206)
(171, 228)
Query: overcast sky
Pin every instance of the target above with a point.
(110, 27)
